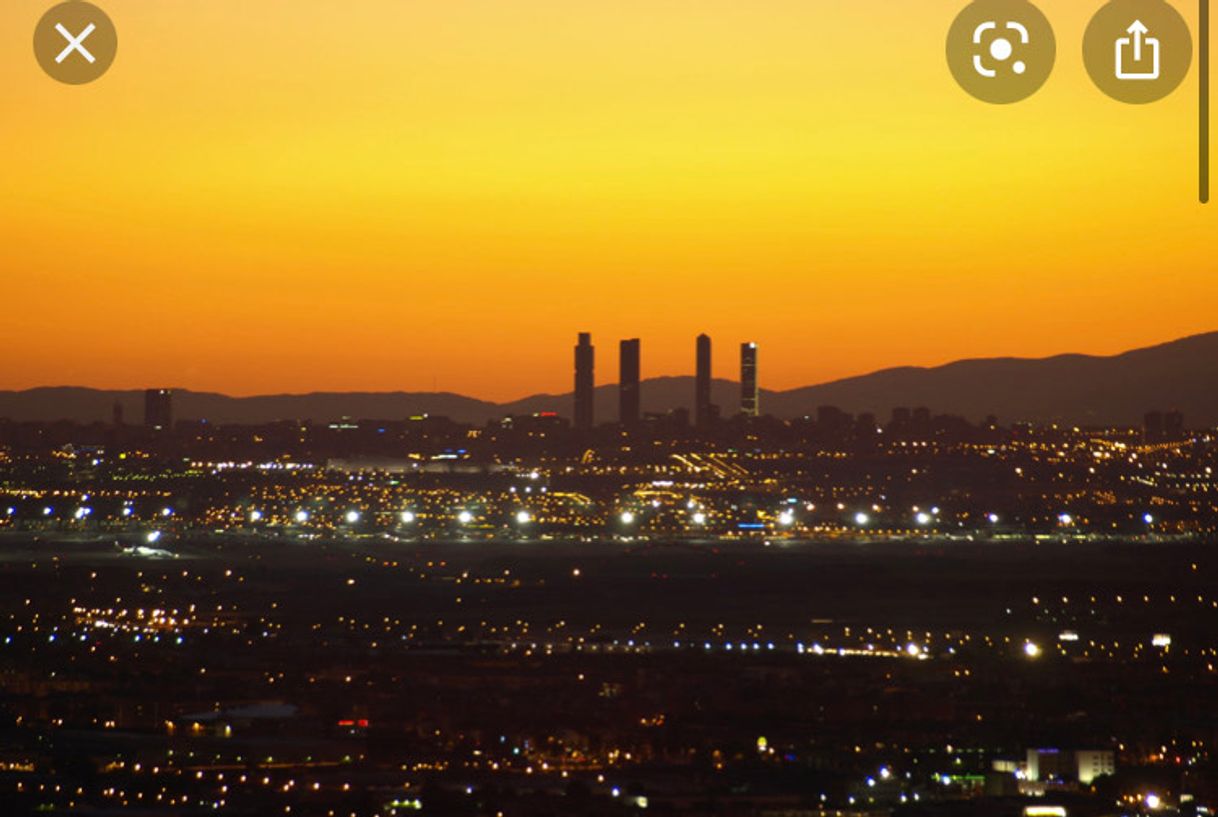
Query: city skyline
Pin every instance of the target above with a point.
(720, 369)
(1068, 388)
(630, 380)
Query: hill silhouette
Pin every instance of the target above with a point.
(1077, 389)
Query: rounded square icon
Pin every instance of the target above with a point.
(75, 42)
(1001, 51)
(1138, 51)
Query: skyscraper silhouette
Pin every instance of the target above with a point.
(585, 381)
(158, 409)
(702, 383)
(750, 397)
(629, 366)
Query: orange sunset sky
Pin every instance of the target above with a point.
(295, 195)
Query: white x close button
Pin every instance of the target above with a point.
(75, 42)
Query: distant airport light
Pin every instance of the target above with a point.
(1044, 811)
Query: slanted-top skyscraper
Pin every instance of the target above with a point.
(702, 383)
(750, 396)
(585, 381)
(158, 409)
(629, 368)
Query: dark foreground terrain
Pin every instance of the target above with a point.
(369, 676)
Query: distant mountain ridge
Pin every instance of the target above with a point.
(1079, 389)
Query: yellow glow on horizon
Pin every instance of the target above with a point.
(298, 195)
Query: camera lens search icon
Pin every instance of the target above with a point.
(1000, 48)
(1001, 51)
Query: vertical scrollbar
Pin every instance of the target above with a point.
(1203, 112)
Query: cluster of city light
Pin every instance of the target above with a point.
(646, 512)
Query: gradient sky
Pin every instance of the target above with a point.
(289, 195)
